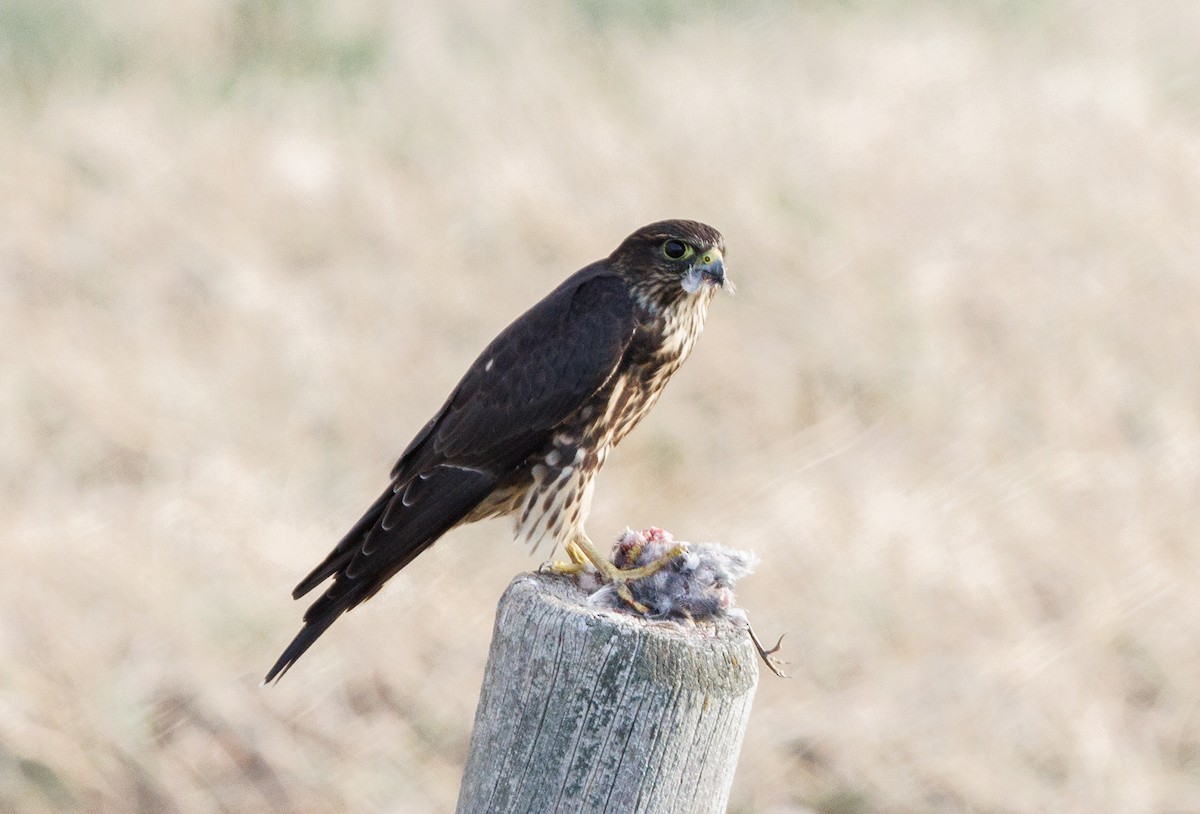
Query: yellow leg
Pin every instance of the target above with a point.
(577, 556)
(620, 577)
(578, 561)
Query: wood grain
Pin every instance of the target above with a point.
(591, 710)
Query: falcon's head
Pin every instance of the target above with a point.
(673, 262)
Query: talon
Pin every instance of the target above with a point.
(641, 572)
(583, 555)
(627, 595)
(561, 568)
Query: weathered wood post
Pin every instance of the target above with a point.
(590, 710)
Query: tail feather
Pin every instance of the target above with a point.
(304, 639)
(344, 551)
(400, 524)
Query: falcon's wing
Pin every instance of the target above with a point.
(530, 378)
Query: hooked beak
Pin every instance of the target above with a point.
(711, 266)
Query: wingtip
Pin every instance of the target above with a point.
(322, 572)
(281, 666)
(314, 626)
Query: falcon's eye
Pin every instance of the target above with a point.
(676, 250)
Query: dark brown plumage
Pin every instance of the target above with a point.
(528, 427)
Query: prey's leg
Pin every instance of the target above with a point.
(768, 656)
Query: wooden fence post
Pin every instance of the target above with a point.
(589, 710)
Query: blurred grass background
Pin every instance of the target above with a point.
(247, 247)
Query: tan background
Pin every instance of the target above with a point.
(246, 249)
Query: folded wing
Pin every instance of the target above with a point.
(528, 381)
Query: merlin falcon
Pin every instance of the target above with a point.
(530, 424)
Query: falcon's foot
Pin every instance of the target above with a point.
(579, 562)
(583, 554)
(658, 577)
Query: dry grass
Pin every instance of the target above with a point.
(245, 249)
